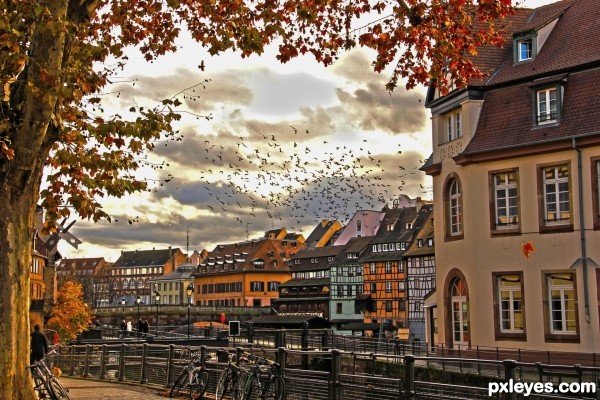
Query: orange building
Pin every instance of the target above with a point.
(385, 270)
(245, 273)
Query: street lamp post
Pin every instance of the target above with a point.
(123, 326)
(156, 301)
(189, 290)
(138, 301)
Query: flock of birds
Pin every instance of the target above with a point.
(297, 180)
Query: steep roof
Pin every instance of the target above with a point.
(400, 232)
(569, 55)
(573, 41)
(303, 260)
(489, 57)
(425, 231)
(240, 256)
(320, 231)
(397, 218)
(357, 245)
(494, 133)
(144, 258)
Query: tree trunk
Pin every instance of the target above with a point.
(31, 104)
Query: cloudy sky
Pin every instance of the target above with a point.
(264, 146)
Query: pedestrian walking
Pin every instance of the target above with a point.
(123, 328)
(145, 326)
(39, 345)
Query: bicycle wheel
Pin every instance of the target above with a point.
(56, 391)
(180, 385)
(223, 385)
(198, 385)
(246, 387)
(275, 389)
(38, 382)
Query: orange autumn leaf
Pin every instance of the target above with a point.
(527, 248)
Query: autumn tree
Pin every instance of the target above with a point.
(70, 315)
(53, 69)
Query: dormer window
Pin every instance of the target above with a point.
(525, 49)
(547, 105)
(547, 97)
(526, 46)
(259, 264)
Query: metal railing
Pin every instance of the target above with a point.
(331, 375)
(325, 339)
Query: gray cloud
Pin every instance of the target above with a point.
(276, 94)
(201, 93)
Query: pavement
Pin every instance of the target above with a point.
(89, 389)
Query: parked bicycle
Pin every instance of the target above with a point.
(193, 380)
(230, 380)
(45, 383)
(263, 377)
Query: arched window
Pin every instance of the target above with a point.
(125, 283)
(460, 313)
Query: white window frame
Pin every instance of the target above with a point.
(556, 194)
(509, 307)
(550, 105)
(455, 205)
(563, 307)
(509, 189)
(388, 267)
(528, 53)
(454, 128)
(388, 287)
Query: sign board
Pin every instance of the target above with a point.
(234, 328)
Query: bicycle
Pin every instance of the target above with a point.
(193, 378)
(230, 380)
(45, 381)
(270, 386)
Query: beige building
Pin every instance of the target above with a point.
(516, 166)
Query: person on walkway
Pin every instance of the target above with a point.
(123, 328)
(145, 326)
(39, 345)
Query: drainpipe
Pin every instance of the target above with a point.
(582, 234)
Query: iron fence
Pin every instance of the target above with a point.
(327, 375)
